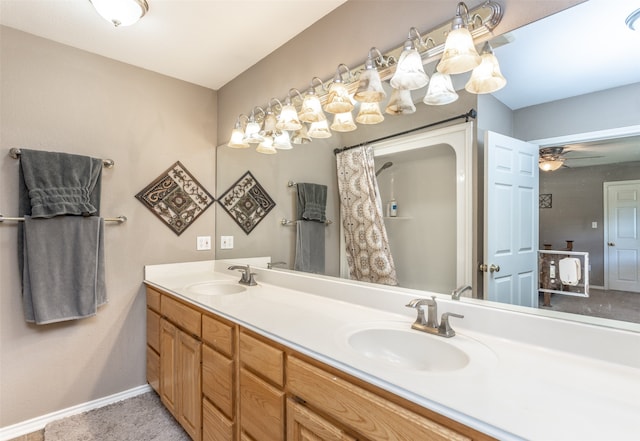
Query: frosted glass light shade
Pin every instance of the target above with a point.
(369, 114)
(370, 87)
(311, 109)
(320, 129)
(440, 90)
(252, 133)
(343, 122)
(266, 146)
(121, 12)
(400, 103)
(550, 164)
(459, 54)
(237, 139)
(338, 100)
(409, 74)
(269, 124)
(301, 136)
(282, 141)
(486, 78)
(288, 119)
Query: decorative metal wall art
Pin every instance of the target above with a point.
(246, 202)
(176, 197)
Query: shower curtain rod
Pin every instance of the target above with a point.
(470, 114)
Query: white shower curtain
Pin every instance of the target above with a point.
(367, 244)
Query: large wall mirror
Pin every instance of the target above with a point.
(562, 90)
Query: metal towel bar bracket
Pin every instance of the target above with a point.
(15, 154)
(118, 219)
(287, 222)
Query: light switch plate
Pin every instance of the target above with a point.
(226, 242)
(203, 243)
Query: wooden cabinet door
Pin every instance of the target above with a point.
(190, 385)
(261, 408)
(215, 426)
(305, 425)
(168, 385)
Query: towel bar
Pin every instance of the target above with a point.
(287, 222)
(15, 154)
(119, 219)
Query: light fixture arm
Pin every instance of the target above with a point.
(297, 92)
(461, 20)
(338, 76)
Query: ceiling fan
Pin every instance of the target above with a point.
(552, 158)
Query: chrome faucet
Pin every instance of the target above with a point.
(270, 265)
(247, 275)
(456, 293)
(430, 324)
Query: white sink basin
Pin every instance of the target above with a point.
(215, 288)
(396, 345)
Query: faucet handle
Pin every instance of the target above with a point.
(445, 329)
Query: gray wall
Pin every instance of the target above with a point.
(54, 97)
(577, 201)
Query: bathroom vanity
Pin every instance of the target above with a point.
(300, 356)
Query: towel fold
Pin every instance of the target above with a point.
(63, 275)
(310, 247)
(59, 183)
(312, 202)
(570, 271)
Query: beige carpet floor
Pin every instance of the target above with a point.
(141, 418)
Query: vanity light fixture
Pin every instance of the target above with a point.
(459, 54)
(343, 122)
(409, 74)
(282, 140)
(440, 90)
(486, 78)
(266, 146)
(400, 103)
(311, 110)
(633, 20)
(289, 119)
(121, 12)
(237, 135)
(319, 130)
(369, 114)
(338, 99)
(270, 120)
(370, 85)
(301, 136)
(252, 130)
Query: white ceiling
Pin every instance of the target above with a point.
(205, 42)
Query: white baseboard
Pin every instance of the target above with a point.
(38, 423)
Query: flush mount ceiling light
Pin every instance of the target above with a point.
(121, 12)
(633, 20)
(550, 158)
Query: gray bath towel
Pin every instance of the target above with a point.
(63, 275)
(310, 246)
(312, 202)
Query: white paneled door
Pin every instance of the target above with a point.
(622, 244)
(510, 221)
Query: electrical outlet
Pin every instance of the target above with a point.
(203, 243)
(226, 242)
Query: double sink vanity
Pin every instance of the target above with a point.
(297, 354)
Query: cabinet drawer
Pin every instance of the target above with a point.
(217, 380)
(153, 369)
(303, 424)
(359, 409)
(185, 317)
(261, 408)
(262, 358)
(218, 335)
(153, 330)
(153, 299)
(215, 427)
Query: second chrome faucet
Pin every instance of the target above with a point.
(430, 323)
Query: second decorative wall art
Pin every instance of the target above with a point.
(247, 202)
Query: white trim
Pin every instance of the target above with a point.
(598, 135)
(38, 423)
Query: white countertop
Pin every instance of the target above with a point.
(528, 377)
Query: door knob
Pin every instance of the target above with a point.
(494, 268)
(483, 267)
(611, 244)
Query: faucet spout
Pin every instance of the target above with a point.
(431, 320)
(247, 275)
(456, 293)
